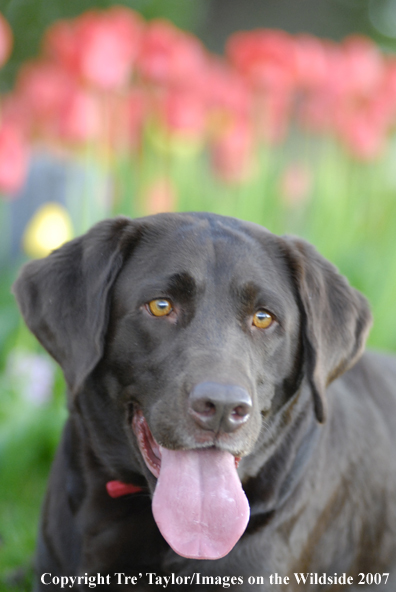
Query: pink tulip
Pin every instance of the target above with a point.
(60, 46)
(267, 60)
(364, 66)
(233, 152)
(5, 40)
(183, 112)
(13, 159)
(265, 57)
(160, 196)
(15, 110)
(226, 91)
(272, 116)
(81, 119)
(386, 95)
(365, 140)
(107, 75)
(126, 117)
(44, 89)
(171, 57)
(315, 111)
(108, 46)
(295, 184)
(311, 63)
(361, 113)
(99, 47)
(136, 113)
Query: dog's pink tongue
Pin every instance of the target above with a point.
(199, 504)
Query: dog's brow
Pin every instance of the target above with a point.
(252, 294)
(248, 292)
(182, 283)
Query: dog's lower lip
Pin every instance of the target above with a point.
(150, 449)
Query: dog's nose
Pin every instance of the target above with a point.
(215, 406)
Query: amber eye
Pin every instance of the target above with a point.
(160, 307)
(262, 319)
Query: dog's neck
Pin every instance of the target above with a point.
(279, 467)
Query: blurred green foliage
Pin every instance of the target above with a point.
(28, 437)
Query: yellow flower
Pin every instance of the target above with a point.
(49, 228)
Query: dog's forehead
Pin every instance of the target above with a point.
(207, 248)
(200, 245)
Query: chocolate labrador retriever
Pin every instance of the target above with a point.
(225, 430)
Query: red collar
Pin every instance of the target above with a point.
(118, 489)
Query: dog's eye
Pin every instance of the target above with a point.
(262, 319)
(160, 307)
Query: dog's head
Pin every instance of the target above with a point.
(192, 330)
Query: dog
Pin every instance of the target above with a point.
(225, 428)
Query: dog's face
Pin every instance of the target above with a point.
(182, 336)
(203, 370)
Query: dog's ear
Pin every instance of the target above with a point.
(64, 298)
(335, 318)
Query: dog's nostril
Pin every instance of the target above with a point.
(241, 411)
(203, 406)
(215, 406)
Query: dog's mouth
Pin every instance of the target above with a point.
(150, 450)
(198, 504)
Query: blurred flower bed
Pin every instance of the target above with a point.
(292, 132)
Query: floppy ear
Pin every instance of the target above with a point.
(335, 318)
(64, 298)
